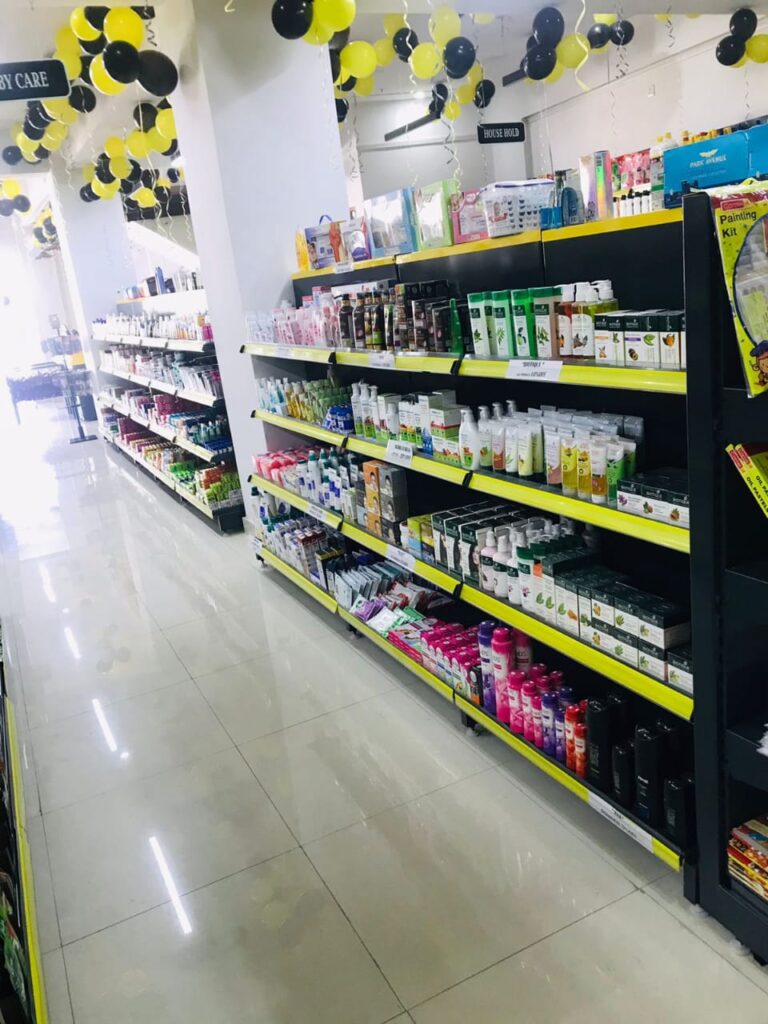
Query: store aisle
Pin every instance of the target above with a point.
(239, 814)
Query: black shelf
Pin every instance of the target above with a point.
(743, 758)
(744, 419)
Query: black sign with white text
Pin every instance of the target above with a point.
(33, 80)
(511, 131)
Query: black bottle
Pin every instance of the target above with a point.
(649, 748)
(599, 743)
(623, 765)
(346, 327)
(679, 812)
(621, 716)
(672, 747)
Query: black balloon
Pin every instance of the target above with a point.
(35, 120)
(743, 23)
(524, 65)
(48, 226)
(599, 36)
(484, 93)
(127, 186)
(436, 106)
(12, 155)
(134, 175)
(622, 32)
(40, 236)
(172, 150)
(540, 62)
(291, 18)
(31, 132)
(441, 91)
(82, 98)
(530, 43)
(22, 204)
(130, 203)
(339, 40)
(173, 175)
(730, 50)
(144, 116)
(145, 12)
(404, 42)
(103, 172)
(164, 105)
(349, 84)
(148, 178)
(162, 194)
(121, 62)
(37, 114)
(6, 207)
(548, 26)
(335, 64)
(458, 56)
(87, 194)
(85, 70)
(342, 109)
(93, 46)
(157, 73)
(42, 153)
(95, 16)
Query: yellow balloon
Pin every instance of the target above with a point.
(359, 58)
(318, 33)
(114, 146)
(444, 24)
(663, 17)
(163, 183)
(30, 158)
(451, 110)
(11, 188)
(365, 86)
(605, 19)
(475, 75)
(465, 93)
(104, 82)
(343, 76)
(339, 94)
(425, 60)
(55, 107)
(51, 144)
(88, 172)
(740, 62)
(483, 19)
(67, 41)
(385, 51)
(166, 123)
(156, 141)
(57, 130)
(393, 23)
(137, 144)
(757, 48)
(123, 24)
(25, 144)
(145, 197)
(72, 62)
(68, 116)
(337, 14)
(572, 50)
(556, 73)
(104, 191)
(82, 27)
(15, 129)
(120, 166)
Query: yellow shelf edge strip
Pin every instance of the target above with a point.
(321, 596)
(299, 427)
(301, 353)
(465, 248)
(654, 690)
(27, 879)
(379, 261)
(610, 224)
(671, 382)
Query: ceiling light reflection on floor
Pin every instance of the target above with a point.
(170, 885)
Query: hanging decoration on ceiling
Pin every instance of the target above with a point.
(12, 199)
(44, 230)
(549, 52)
(742, 44)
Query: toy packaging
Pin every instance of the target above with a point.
(391, 223)
(354, 235)
(433, 218)
(468, 216)
(325, 243)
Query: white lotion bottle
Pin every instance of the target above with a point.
(486, 443)
(469, 441)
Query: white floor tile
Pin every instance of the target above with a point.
(213, 642)
(266, 945)
(448, 884)
(56, 988)
(282, 689)
(211, 817)
(102, 749)
(630, 962)
(47, 917)
(337, 769)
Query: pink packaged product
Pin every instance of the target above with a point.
(468, 217)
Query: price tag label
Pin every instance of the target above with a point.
(344, 267)
(382, 359)
(283, 351)
(534, 369)
(400, 453)
(322, 515)
(400, 557)
(614, 815)
(257, 545)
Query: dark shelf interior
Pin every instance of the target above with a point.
(744, 761)
(744, 419)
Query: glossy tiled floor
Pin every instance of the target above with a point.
(240, 815)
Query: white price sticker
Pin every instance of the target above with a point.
(283, 351)
(257, 545)
(400, 453)
(319, 513)
(400, 557)
(382, 359)
(614, 815)
(534, 369)
(344, 267)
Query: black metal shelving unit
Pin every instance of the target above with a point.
(729, 575)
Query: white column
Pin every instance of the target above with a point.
(258, 133)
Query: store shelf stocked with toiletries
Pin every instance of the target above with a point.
(169, 417)
(727, 439)
(521, 508)
(22, 997)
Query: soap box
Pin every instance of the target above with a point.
(680, 668)
(433, 218)
(622, 645)
(651, 660)
(609, 338)
(662, 623)
(468, 216)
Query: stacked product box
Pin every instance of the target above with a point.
(661, 495)
(384, 495)
(651, 338)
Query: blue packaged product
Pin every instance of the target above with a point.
(719, 161)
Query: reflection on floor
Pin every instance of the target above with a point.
(240, 815)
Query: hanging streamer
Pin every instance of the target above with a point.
(415, 86)
(582, 15)
(622, 65)
(229, 7)
(670, 29)
(150, 28)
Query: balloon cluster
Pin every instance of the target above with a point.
(315, 21)
(608, 28)
(12, 200)
(548, 52)
(46, 125)
(117, 170)
(44, 231)
(742, 44)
